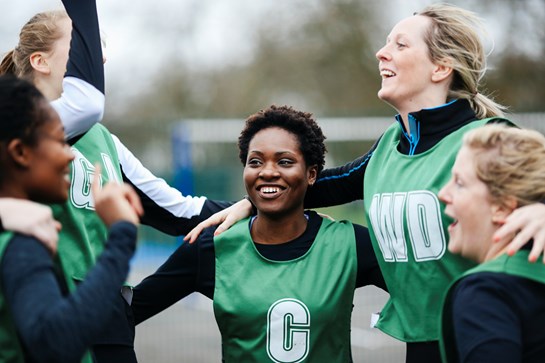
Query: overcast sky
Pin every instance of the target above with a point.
(141, 35)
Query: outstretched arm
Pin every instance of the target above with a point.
(165, 208)
(340, 185)
(223, 219)
(334, 186)
(189, 269)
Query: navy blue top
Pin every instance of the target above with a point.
(500, 318)
(55, 327)
(85, 60)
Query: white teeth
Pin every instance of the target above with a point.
(269, 190)
(387, 73)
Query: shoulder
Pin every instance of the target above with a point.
(499, 120)
(480, 282)
(483, 289)
(24, 254)
(26, 246)
(488, 307)
(360, 230)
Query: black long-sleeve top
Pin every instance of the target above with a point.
(191, 268)
(344, 184)
(56, 327)
(499, 318)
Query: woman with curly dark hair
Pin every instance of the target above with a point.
(274, 273)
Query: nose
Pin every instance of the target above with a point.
(383, 54)
(443, 194)
(69, 153)
(268, 171)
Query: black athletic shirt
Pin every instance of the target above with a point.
(500, 318)
(344, 184)
(191, 268)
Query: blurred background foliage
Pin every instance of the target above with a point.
(317, 56)
(322, 59)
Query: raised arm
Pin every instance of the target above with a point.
(81, 104)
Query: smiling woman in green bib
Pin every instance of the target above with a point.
(283, 280)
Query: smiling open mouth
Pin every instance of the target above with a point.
(386, 73)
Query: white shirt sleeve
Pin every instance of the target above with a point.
(80, 106)
(155, 188)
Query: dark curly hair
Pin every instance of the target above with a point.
(21, 115)
(301, 124)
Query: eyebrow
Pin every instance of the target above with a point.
(276, 153)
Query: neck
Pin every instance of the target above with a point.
(433, 101)
(266, 230)
(495, 249)
(495, 253)
(44, 87)
(13, 190)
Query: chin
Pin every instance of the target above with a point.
(454, 248)
(61, 198)
(383, 96)
(52, 198)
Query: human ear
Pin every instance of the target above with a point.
(501, 211)
(19, 153)
(442, 71)
(312, 174)
(39, 63)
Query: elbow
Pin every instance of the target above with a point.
(94, 102)
(80, 107)
(93, 112)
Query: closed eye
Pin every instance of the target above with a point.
(458, 182)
